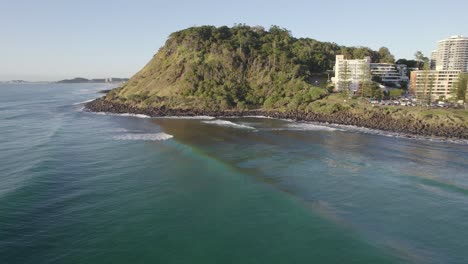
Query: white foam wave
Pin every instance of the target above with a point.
(124, 115)
(306, 127)
(310, 127)
(135, 115)
(84, 102)
(260, 117)
(365, 130)
(188, 117)
(226, 123)
(144, 137)
(269, 117)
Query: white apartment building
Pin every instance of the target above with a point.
(390, 73)
(437, 84)
(452, 54)
(350, 71)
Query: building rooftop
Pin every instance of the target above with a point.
(455, 37)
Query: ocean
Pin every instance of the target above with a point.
(81, 187)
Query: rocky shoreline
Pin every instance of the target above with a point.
(380, 120)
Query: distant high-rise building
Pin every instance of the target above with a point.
(452, 54)
(447, 63)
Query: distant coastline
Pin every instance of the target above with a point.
(84, 80)
(23, 82)
(74, 80)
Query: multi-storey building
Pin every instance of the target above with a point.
(437, 84)
(403, 70)
(447, 62)
(390, 73)
(350, 72)
(452, 54)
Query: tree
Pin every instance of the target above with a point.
(377, 93)
(365, 82)
(344, 84)
(460, 89)
(404, 85)
(377, 79)
(361, 52)
(428, 84)
(430, 87)
(420, 59)
(408, 63)
(385, 56)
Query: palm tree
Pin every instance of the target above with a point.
(418, 57)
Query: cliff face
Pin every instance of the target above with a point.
(232, 68)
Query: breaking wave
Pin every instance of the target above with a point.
(226, 123)
(304, 127)
(371, 131)
(269, 117)
(124, 115)
(188, 117)
(261, 117)
(144, 137)
(310, 127)
(84, 102)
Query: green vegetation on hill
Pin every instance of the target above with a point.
(236, 68)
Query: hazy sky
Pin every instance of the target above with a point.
(50, 40)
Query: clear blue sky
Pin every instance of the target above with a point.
(50, 40)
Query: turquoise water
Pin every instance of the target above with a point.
(78, 187)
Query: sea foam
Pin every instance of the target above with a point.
(124, 115)
(188, 117)
(226, 123)
(371, 131)
(310, 127)
(294, 126)
(84, 102)
(144, 137)
(261, 117)
(134, 115)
